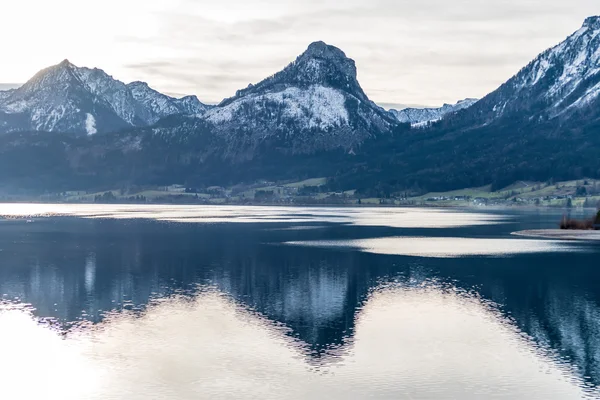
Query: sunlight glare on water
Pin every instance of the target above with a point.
(444, 247)
(391, 217)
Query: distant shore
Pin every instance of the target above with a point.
(561, 234)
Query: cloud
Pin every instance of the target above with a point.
(429, 52)
(407, 52)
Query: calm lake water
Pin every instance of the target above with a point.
(165, 302)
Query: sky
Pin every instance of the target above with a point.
(407, 52)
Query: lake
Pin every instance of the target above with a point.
(190, 302)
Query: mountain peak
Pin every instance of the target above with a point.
(320, 52)
(321, 49)
(321, 64)
(138, 84)
(65, 63)
(60, 98)
(561, 81)
(592, 22)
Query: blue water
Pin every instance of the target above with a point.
(225, 302)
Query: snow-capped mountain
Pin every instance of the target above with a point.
(78, 100)
(157, 105)
(310, 119)
(314, 104)
(563, 80)
(419, 117)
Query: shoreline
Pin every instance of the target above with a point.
(316, 204)
(560, 234)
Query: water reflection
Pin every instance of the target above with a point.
(410, 342)
(191, 302)
(553, 298)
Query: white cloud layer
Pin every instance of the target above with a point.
(408, 52)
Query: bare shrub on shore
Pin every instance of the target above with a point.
(577, 224)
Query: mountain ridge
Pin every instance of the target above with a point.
(312, 118)
(314, 104)
(65, 98)
(559, 81)
(421, 117)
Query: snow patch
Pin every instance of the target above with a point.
(590, 95)
(420, 117)
(316, 107)
(561, 71)
(90, 124)
(424, 124)
(16, 106)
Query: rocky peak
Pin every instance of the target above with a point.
(139, 84)
(191, 105)
(325, 51)
(321, 64)
(320, 52)
(592, 22)
(61, 96)
(140, 89)
(57, 77)
(562, 80)
(65, 64)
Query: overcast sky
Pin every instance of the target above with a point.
(424, 52)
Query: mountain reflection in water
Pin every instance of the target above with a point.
(215, 310)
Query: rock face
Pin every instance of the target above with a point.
(421, 117)
(314, 104)
(65, 98)
(156, 105)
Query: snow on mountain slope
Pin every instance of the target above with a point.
(561, 80)
(5, 93)
(56, 99)
(65, 98)
(419, 117)
(314, 104)
(191, 105)
(161, 105)
(315, 107)
(112, 91)
(156, 105)
(319, 64)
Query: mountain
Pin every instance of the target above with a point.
(155, 105)
(562, 81)
(420, 117)
(542, 124)
(70, 99)
(311, 119)
(314, 104)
